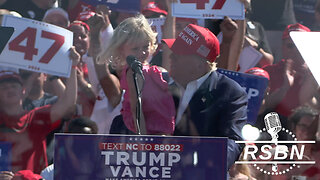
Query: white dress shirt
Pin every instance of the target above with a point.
(187, 94)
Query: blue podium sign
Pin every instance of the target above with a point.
(255, 87)
(123, 157)
(5, 156)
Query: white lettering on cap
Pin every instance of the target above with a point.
(185, 38)
(191, 33)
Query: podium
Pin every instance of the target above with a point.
(123, 157)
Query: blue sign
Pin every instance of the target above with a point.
(5, 156)
(120, 157)
(255, 87)
(131, 6)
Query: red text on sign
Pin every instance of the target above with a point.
(29, 50)
(58, 42)
(200, 4)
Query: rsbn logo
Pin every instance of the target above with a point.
(267, 155)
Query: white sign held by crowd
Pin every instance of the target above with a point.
(156, 25)
(208, 9)
(37, 46)
(308, 46)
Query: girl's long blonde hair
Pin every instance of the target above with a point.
(133, 29)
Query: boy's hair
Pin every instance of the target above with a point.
(79, 124)
(134, 29)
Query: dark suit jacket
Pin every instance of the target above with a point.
(218, 108)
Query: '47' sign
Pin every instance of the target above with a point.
(208, 9)
(37, 46)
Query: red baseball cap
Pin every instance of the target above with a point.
(294, 27)
(258, 72)
(79, 23)
(10, 75)
(85, 15)
(153, 7)
(195, 39)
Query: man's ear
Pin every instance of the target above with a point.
(45, 76)
(23, 90)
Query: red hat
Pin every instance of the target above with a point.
(85, 15)
(10, 75)
(26, 175)
(258, 72)
(195, 39)
(294, 27)
(79, 23)
(153, 7)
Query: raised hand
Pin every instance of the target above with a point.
(289, 73)
(74, 56)
(228, 28)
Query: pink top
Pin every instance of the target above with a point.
(157, 103)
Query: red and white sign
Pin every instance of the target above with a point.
(208, 9)
(37, 46)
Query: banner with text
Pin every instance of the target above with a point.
(132, 6)
(120, 157)
(208, 9)
(255, 87)
(37, 46)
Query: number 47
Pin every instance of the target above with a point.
(201, 3)
(29, 49)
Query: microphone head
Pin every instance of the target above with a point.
(130, 59)
(272, 122)
(135, 65)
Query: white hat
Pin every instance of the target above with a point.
(56, 10)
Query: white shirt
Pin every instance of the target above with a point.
(103, 112)
(187, 94)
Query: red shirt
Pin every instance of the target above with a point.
(291, 99)
(27, 134)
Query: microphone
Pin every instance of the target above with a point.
(273, 125)
(135, 65)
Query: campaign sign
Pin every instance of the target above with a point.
(5, 156)
(208, 9)
(156, 25)
(131, 6)
(130, 157)
(37, 46)
(308, 46)
(255, 87)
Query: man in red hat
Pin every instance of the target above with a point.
(26, 131)
(288, 76)
(210, 104)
